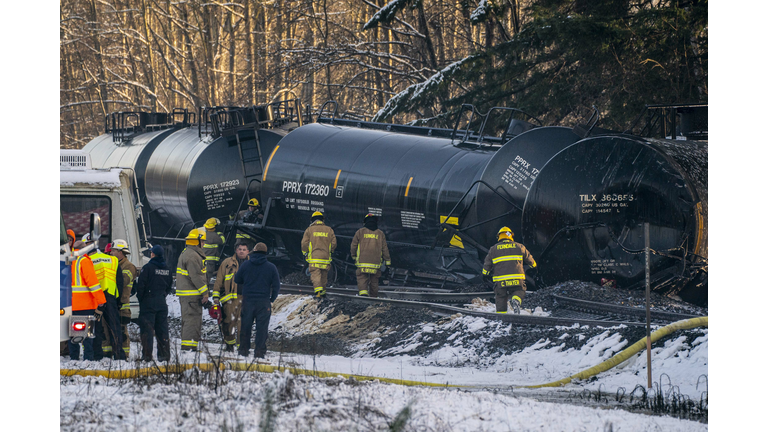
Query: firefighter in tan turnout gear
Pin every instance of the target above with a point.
(318, 244)
(369, 249)
(212, 246)
(130, 273)
(505, 262)
(227, 293)
(192, 289)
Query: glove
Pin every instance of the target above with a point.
(99, 312)
(206, 304)
(125, 320)
(306, 254)
(487, 278)
(216, 300)
(383, 268)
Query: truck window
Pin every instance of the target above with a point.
(76, 211)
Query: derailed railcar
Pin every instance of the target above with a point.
(577, 198)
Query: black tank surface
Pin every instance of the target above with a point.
(190, 179)
(410, 181)
(583, 216)
(511, 172)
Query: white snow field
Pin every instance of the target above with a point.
(489, 402)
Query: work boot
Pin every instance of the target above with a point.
(320, 293)
(229, 348)
(515, 306)
(363, 293)
(242, 353)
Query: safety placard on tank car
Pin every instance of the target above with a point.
(216, 195)
(374, 211)
(520, 173)
(411, 219)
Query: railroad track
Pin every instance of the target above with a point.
(576, 311)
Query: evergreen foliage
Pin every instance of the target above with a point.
(572, 54)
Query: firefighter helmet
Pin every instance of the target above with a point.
(253, 202)
(211, 223)
(195, 235)
(505, 233)
(121, 245)
(369, 215)
(317, 216)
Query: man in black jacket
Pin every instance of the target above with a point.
(260, 284)
(153, 285)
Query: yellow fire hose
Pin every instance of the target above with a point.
(258, 367)
(629, 352)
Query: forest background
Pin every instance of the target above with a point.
(402, 61)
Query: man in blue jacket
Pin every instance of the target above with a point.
(153, 286)
(260, 284)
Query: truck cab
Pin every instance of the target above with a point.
(109, 193)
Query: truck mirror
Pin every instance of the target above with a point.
(95, 227)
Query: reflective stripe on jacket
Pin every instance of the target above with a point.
(505, 261)
(129, 275)
(106, 270)
(212, 244)
(318, 244)
(190, 272)
(225, 286)
(369, 248)
(86, 290)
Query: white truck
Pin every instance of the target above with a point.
(110, 193)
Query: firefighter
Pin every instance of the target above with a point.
(369, 249)
(153, 285)
(260, 284)
(318, 244)
(505, 262)
(87, 299)
(129, 273)
(229, 295)
(252, 215)
(107, 268)
(214, 242)
(192, 289)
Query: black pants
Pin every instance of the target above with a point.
(112, 319)
(88, 343)
(153, 323)
(259, 311)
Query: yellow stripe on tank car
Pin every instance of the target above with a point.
(407, 188)
(336, 182)
(266, 168)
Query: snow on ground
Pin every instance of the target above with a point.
(461, 350)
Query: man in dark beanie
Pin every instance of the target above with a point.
(153, 285)
(260, 284)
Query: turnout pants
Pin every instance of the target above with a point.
(230, 321)
(112, 342)
(191, 321)
(319, 277)
(259, 311)
(125, 318)
(368, 282)
(506, 289)
(153, 323)
(88, 343)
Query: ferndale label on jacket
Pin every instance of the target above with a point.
(320, 234)
(506, 246)
(373, 236)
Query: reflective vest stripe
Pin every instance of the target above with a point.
(211, 258)
(507, 258)
(485, 272)
(228, 297)
(126, 306)
(181, 271)
(210, 246)
(182, 293)
(189, 343)
(319, 261)
(508, 277)
(369, 265)
(229, 276)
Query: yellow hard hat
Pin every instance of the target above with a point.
(317, 214)
(506, 233)
(211, 223)
(253, 202)
(195, 234)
